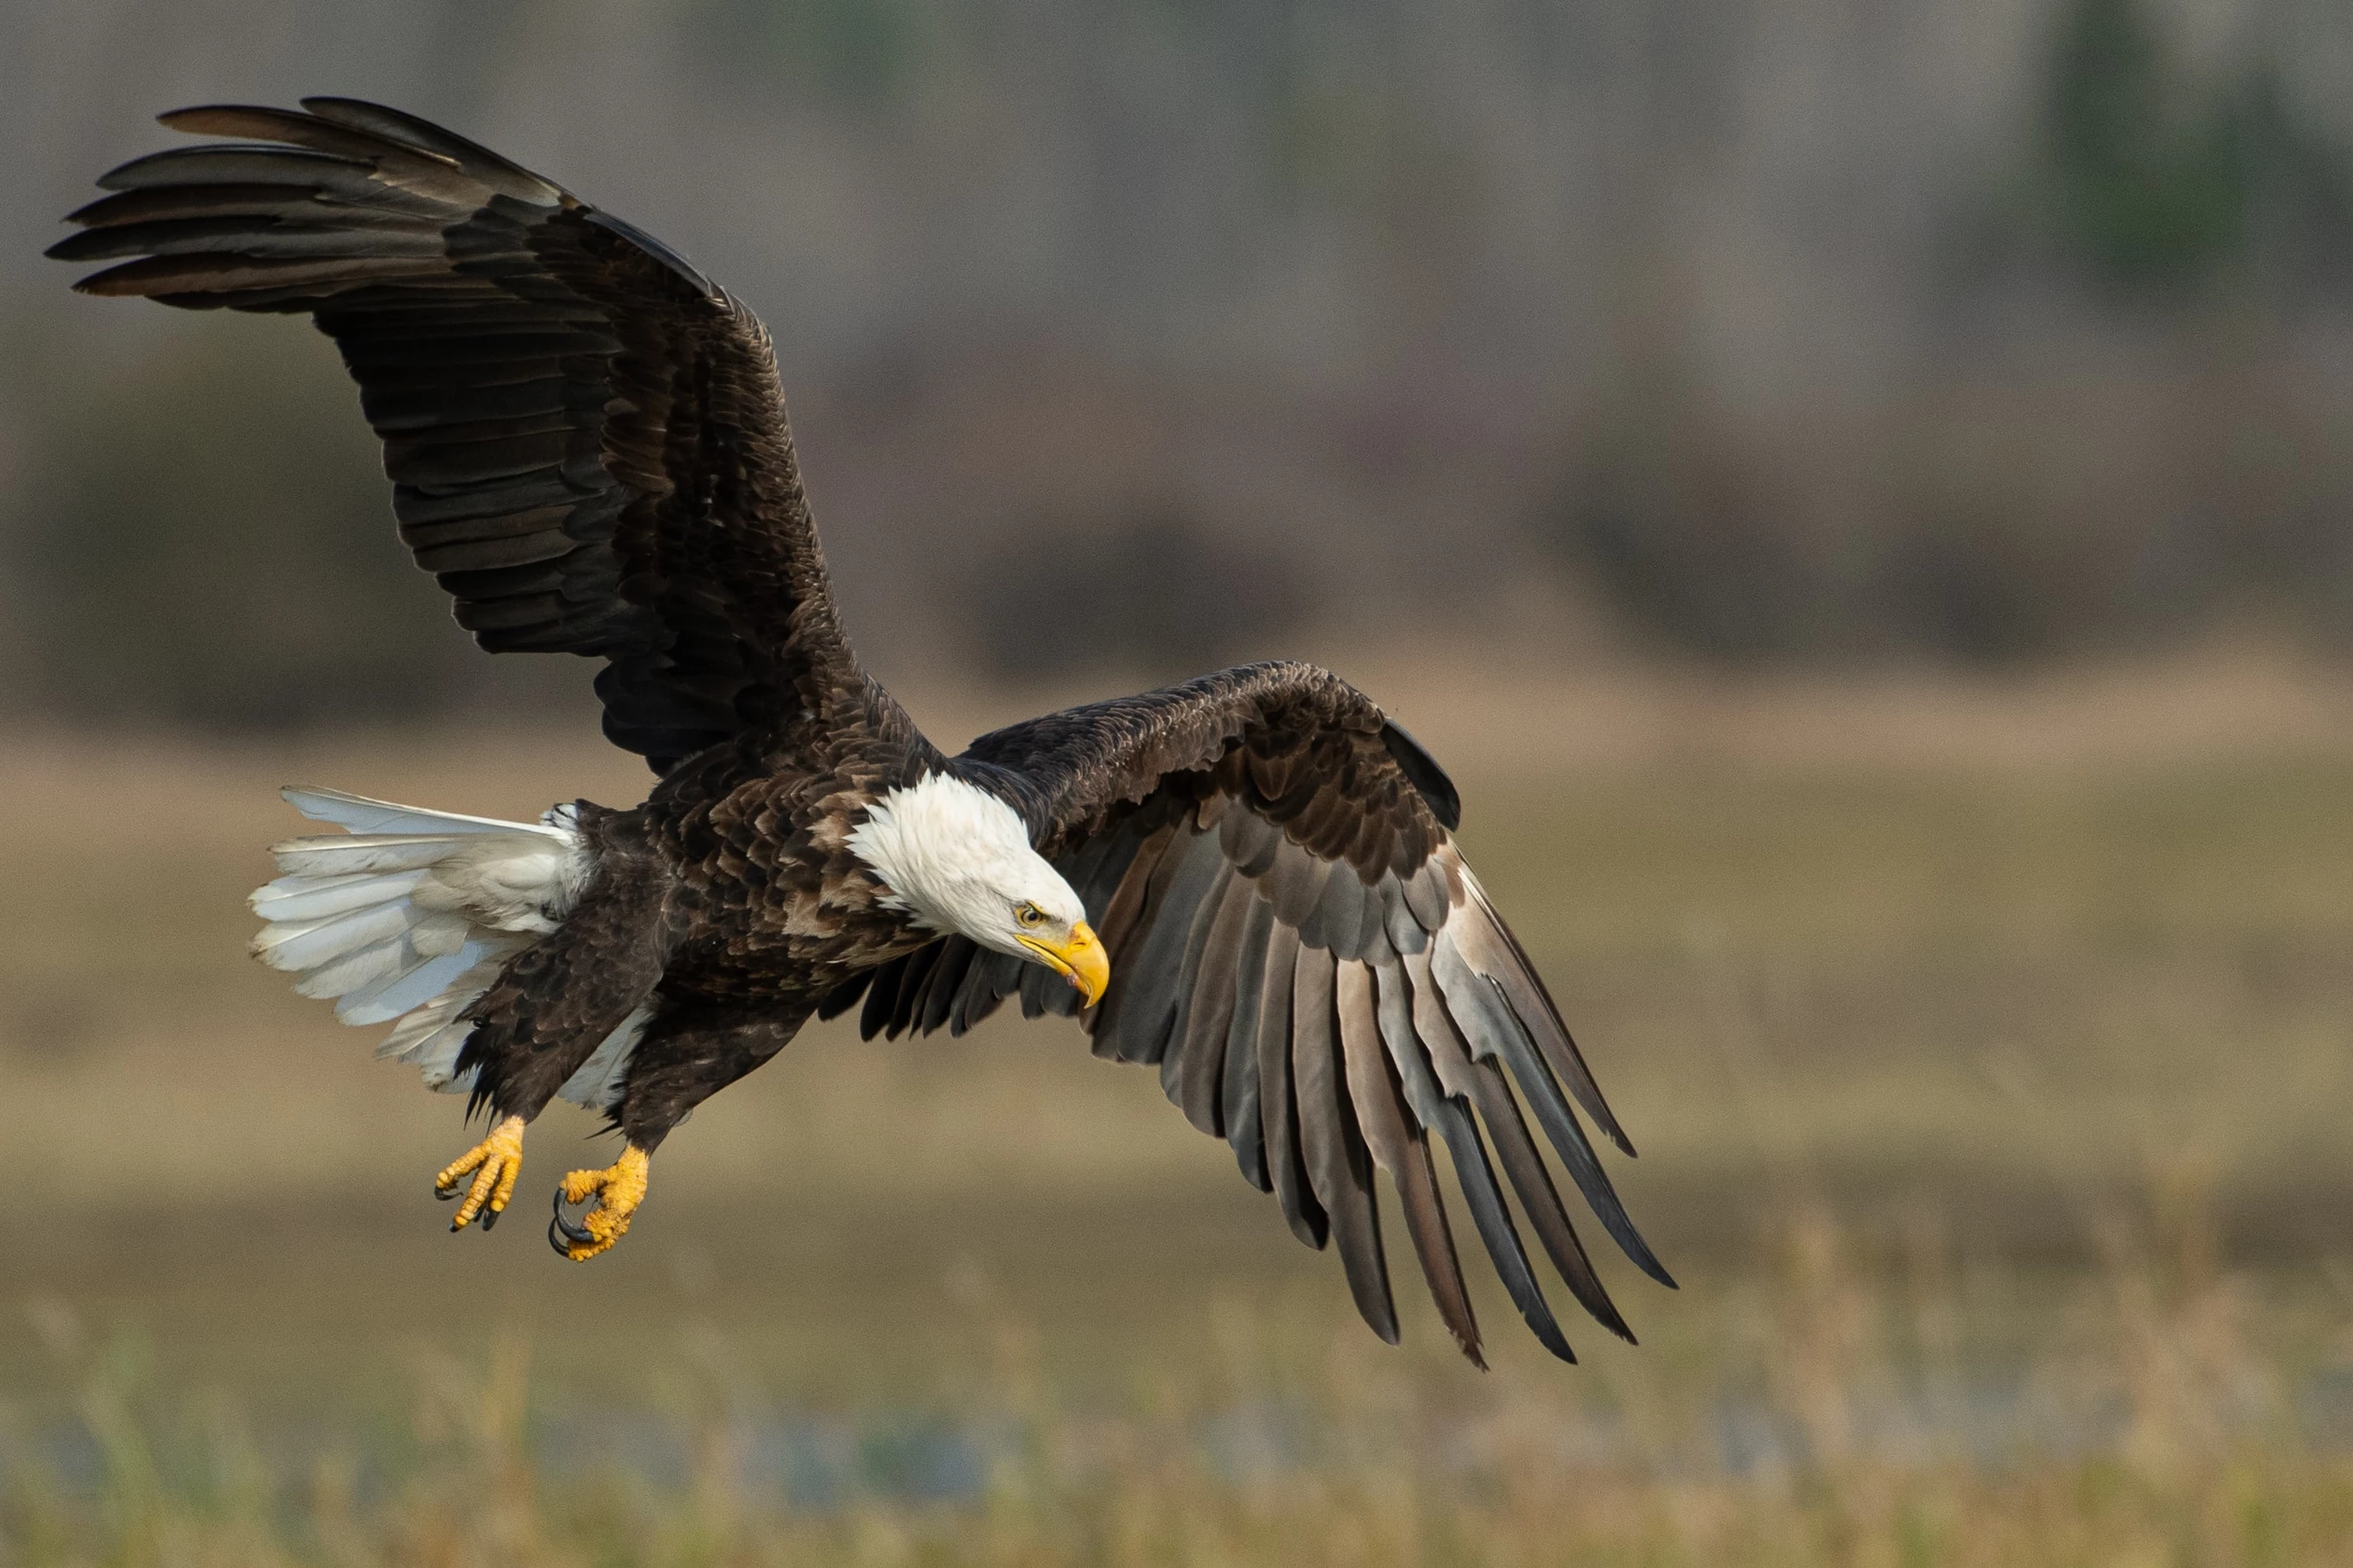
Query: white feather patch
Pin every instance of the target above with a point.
(319, 856)
(308, 898)
(410, 914)
(436, 1057)
(359, 814)
(348, 971)
(309, 944)
(388, 998)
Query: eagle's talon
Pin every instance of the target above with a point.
(618, 1188)
(564, 1224)
(494, 1164)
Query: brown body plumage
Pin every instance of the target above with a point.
(589, 450)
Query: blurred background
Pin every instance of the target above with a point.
(1859, 496)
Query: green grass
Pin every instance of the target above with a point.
(1992, 1114)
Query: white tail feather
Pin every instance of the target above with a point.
(308, 944)
(410, 914)
(359, 814)
(348, 971)
(318, 858)
(388, 997)
(306, 897)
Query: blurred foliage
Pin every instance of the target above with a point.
(2004, 516)
(208, 538)
(2148, 193)
(1670, 519)
(2151, 180)
(2166, 465)
(858, 53)
(1779, 334)
(1146, 587)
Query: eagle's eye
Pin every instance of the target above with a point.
(1029, 914)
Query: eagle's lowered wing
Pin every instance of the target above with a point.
(1297, 945)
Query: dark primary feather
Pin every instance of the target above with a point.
(1244, 1129)
(1330, 1147)
(1198, 1084)
(586, 436)
(1377, 1033)
(1296, 942)
(1278, 1111)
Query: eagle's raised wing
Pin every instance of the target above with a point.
(586, 437)
(1296, 943)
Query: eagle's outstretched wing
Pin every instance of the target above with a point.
(586, 436)
(1297, 945)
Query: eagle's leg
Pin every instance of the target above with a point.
(618, 1188)
(494, 1164)
(686, 1055)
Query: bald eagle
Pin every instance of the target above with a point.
(1248, 881)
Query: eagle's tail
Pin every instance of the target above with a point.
(410, 914)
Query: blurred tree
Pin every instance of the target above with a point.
(2146, 180)
(2139, 191)
(2298, 196)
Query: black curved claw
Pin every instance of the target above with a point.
(556, 1240)
(449, 1195)
(576, 1235)
(490, 1218)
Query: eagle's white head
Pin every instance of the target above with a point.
(956, 858)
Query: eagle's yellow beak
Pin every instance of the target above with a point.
(1081, 960)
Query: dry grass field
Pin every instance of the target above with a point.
(1987, 1045)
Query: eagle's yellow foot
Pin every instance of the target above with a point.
(495, 1162)
(618, 1188)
